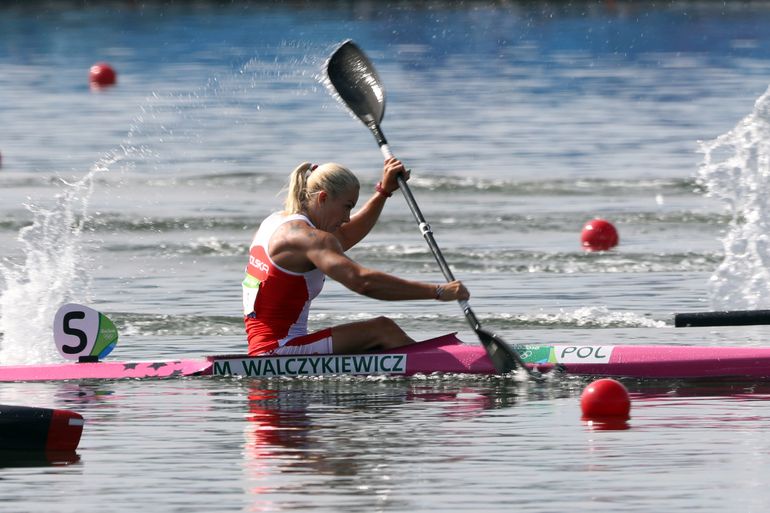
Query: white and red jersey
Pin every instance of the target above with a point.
(276, 301)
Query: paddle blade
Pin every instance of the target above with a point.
(356, 83)
(504, 358)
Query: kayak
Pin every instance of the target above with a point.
(450, 355)
(27, 428)
(444, 354)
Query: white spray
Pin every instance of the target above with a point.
(736, 170)
(53, 272)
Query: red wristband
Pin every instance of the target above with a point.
(380, 189)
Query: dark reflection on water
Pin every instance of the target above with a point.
(287, 414)
(350, 437)
(281, 410)
(363, 440)
(11, 459)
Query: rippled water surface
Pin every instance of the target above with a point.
(520, 122)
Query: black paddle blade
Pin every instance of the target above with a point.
(355, 81)
(504, 358)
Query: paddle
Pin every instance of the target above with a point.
(357, 85)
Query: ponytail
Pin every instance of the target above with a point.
(297, 191)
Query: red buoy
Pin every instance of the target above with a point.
(25, 428)
(101, 75)
(605, 399)
(599, 235)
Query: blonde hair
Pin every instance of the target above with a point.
(305, 181)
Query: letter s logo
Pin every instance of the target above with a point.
(75, 330)
(69, 330)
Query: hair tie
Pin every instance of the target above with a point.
(313, 167)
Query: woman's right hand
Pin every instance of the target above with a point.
(390, 171)
(453, 291)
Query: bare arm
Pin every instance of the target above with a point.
(362, 222)
(327, 255)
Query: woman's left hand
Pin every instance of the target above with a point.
(390, 172)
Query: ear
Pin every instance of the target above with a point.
(322, 195)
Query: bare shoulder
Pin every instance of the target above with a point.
(295, 246)
(298, 235)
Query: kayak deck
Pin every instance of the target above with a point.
(104, 370)
(445, 354)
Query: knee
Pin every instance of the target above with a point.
(390, 334)
(386, 325)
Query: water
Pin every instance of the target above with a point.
(521, 121)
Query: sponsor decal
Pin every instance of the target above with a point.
(565, 354)
(534, 354)
(258, 264)
(582, 354)
(311, 365)
(258, 267)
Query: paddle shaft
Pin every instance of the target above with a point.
(425, 229)
(509, 358)
(357, 85)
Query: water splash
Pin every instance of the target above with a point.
(53, 272)
(584, 317)
(736, 170)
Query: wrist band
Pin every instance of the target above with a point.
(439, 291)
(381, 190)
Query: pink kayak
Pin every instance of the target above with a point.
(446, 354)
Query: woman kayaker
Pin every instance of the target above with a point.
(294, 250)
